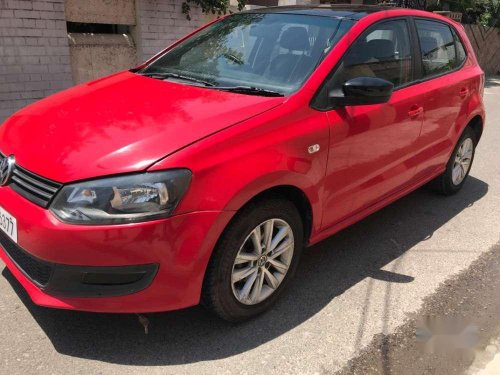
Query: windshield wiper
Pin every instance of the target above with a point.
(249, 90)
(162, 75)
(238, 89)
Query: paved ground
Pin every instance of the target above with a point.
(354, 295)
(454, 332)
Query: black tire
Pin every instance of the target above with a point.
(217, 293)
(443, 184)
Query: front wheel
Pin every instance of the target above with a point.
(459, 164)
(252, 263)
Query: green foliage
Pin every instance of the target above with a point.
(434, 7)
(218, 7)
(484, 12)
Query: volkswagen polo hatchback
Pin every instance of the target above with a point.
(202, 174)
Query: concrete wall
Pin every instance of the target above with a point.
(101, 11)
(34, 52)
(154, 24)
(98, 55)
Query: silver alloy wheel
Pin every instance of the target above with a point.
(262, 261)
(463, 159)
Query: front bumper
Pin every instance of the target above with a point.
(144, 267)
(79, 281)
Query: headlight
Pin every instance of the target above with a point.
(125, 199)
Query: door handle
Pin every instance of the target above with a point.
(463, 92)
(415, 110)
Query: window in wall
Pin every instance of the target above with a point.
(383, 51)
(96, 28)
(437, 47)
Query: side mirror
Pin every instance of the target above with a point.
(361, 91)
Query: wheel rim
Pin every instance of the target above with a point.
(462, 162)
(262, 261)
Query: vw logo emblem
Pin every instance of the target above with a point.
(6, 169)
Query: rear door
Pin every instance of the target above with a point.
(373, 147)
(447, 92)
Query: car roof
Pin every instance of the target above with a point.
(349, 11)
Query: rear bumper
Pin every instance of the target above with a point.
(145, 267)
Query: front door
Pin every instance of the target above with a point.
(373, 147)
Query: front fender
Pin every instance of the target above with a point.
(269, 150)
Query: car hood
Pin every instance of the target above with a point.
(119, 124)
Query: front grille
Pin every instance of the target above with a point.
(36, 270)
(37, 189)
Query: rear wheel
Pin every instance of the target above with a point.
(459, 164)
(252, 263)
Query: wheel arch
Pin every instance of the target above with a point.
(296, 196)
(477, 125)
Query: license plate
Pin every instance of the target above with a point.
(8, 224)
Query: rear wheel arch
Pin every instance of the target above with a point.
(444, 183)
(476, 124)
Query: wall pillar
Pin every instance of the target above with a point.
(95, 55)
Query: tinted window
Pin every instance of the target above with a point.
(264, 50)
(461, 56)
(437, 47)
(383, 51)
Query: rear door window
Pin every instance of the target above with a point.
(437, 47)
(461, 55)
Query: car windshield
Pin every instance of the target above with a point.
(254, 53)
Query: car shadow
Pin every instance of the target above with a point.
(326, 271)
(492, 81)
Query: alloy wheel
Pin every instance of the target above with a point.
(262, 261)
(462, 162)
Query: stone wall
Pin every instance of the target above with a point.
(161, 22)
(34, 52)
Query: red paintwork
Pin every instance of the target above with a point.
(123, 123)
(236, 146)
(181, 245)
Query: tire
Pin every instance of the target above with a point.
(223, 296)
(445, 184)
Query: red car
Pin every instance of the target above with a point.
(201, 175)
